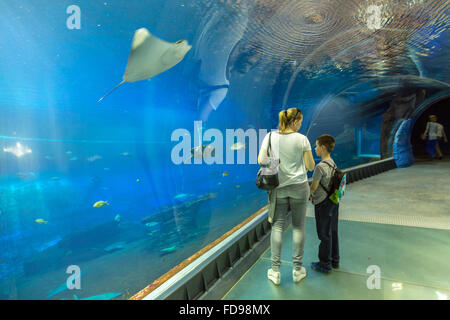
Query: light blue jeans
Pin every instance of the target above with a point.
(297, 206)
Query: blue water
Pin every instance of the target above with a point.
(272, 55)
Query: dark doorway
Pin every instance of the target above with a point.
(442, 110)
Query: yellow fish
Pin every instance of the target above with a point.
(100, 204)
(41, 221)
(238, 186)
(225, 174)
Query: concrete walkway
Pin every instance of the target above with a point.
(391, 222)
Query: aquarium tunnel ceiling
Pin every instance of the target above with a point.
(310, 54)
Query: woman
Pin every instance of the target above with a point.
(434, 131)
(294, 152)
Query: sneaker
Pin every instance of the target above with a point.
(274, 276)
(319, 267)
(335, 265)
(298, 275)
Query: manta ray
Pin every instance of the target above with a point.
(151, 56)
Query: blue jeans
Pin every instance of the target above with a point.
(298, 213)
(429, 146)
(327, 216)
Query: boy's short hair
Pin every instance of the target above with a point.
(327, 141)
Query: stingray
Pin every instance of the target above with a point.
(151, 56)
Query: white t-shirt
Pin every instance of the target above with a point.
(289, 149)
(434, 130)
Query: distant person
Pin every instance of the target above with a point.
(433, 133)
(294, 152)
(326, 212)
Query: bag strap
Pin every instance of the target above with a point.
(328, 192)
(334, 167)
(331, 176)
(268, 155)
(270, 147)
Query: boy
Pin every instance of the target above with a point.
(326, 211)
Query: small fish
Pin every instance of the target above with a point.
(49, 157)
(151, 224)
(125, 154)
(150, 233)
(117, 218)
(29, 175)
(115, 246)
(181, 195)
(68, 253)
(204, 151)
(55, 178)
(69, 152)
(93, 158)
(100, 204)
(74, 159)
(225, 173)
(106, 169)
(238, 146)
(22, 175)
(170, 249)
(238, 186)
(138, 180)
(219, 183)
(41, 221)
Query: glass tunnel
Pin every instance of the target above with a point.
(118, 187)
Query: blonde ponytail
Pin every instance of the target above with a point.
(288, 117)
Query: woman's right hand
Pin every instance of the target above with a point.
(309, 160)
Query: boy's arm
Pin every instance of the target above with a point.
(314, 185)
(317, 176)
(313, 188)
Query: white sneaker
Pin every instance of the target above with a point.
(274, 276)
(298, 275)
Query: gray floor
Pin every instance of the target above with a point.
(412, 255)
